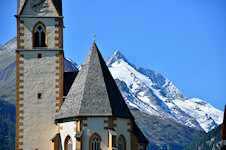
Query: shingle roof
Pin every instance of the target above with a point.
(57, 4)
(94, 91)
(20, 5)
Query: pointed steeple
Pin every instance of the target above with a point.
(94, 91)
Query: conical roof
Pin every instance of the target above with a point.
(94, 91)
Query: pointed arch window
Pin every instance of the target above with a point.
(121, 143)
(95, 142)
(39, 35)
(68, 143)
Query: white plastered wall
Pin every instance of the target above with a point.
(122, 128)
(95, 125)
(39, 114)
(67, 129)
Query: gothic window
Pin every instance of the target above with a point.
(39, 35)
(121, 143)
(95, 142)
(68, 143)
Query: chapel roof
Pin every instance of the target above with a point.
(94, 91)
(57, 4)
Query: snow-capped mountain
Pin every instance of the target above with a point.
(142, 88)
(152, 93)
(8, 71)
(70, 66)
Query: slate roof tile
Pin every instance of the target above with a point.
(57, 4)
(94, 91)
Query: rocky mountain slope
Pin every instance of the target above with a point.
(8, 71)
(165, 134)
(154, 94)
(210, 141)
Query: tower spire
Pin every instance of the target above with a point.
(94, 37)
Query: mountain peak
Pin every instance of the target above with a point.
(70, 65)
(117, 56)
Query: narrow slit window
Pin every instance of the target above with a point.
(40, 36)
(39, 95)
(39, 55)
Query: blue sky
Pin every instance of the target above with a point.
(184, 40)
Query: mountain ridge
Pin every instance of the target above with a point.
(141, 88)
(145, 119)
(152, 93)
(209, 141)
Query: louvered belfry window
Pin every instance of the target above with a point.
(40, 36)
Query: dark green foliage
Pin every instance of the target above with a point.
(164, 134)
(208, 141)
(7, 126)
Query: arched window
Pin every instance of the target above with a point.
(95, 142)
(39, 35)
(68, 143)
(121, 143)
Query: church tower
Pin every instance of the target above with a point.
(39, 74)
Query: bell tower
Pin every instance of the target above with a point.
(39, 73)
